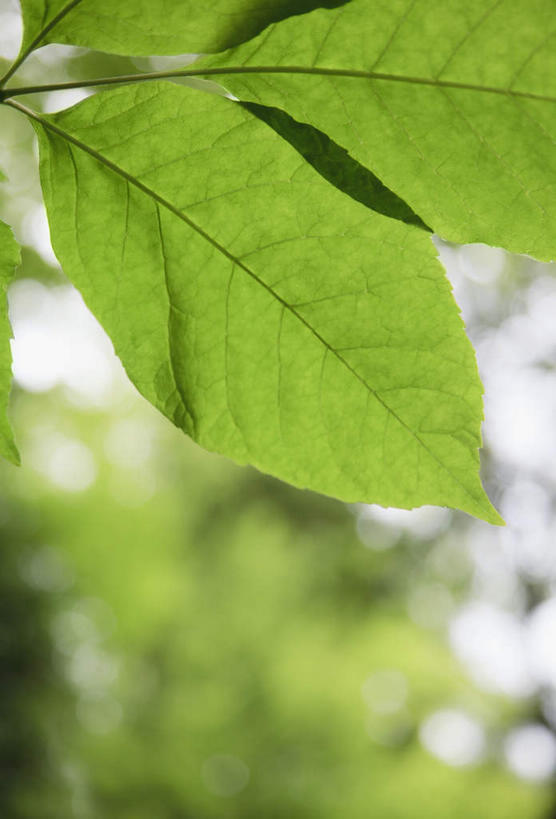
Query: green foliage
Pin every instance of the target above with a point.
(274, 290)
(9, 259)
(33, 690)
(225, 615)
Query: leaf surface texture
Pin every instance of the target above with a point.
(144, 27)
(9, 259)
(266, 313)
(451, 104)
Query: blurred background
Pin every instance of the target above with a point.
(181, 637)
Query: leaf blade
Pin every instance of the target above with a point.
(452, 108)
(277, 339)
(9, 259)
(143, 27)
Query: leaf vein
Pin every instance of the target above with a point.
(171, 353)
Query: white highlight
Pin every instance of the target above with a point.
(530, 752)
(67, 463)
(57, 342)
(491, 644)
(541, 633)
(453, 737)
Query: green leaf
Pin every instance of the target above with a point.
(266, 313)
(9, 259)
(451, 103)
(144, 27)
(335, 164)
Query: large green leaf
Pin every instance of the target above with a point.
(451, 103)
(154, 26)
(9, 259)
(267, 314)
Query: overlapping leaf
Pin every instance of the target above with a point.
(9, 259)
(269, 315)
(154, 26)
(451, 104)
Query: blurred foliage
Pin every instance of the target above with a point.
(168, 646)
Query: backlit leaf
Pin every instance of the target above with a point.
(335, 164)
(266, 313)
(9, 259)
(451, 104)
(154, 26)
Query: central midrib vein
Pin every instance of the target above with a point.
(236, 261)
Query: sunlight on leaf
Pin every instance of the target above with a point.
(266, 313)
(335, 164)
(451, 105)
(144, 27)
(9, 259)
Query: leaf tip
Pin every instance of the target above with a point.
(10, 452)
(489, 513)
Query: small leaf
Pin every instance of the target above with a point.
(144, 27)
(9, 259)
(452, 105)
(266, 313)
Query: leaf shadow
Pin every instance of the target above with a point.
(243, 27)
(335, 164)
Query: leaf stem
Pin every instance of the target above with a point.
(34, 43)
(265, 69)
